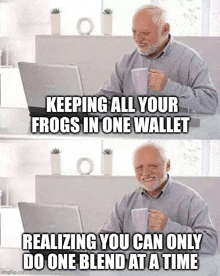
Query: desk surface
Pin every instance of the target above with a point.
(11, 262)
(15, 124)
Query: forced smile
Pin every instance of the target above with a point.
(142, 44)
(148, 179)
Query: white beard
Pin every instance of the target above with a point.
(152, 48)
(150, 188)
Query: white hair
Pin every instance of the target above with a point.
(150, 145)
(159, 15)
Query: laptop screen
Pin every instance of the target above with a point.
(47, 218)
(41, 80)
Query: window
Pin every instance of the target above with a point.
(186, 155)
(185, 16)
(214, 165)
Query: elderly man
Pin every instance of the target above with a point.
(173, 207)
(174, 68)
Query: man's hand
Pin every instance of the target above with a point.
(156, 220)
(157, 79)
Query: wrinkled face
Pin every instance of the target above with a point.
(147, 36)
(151, 168)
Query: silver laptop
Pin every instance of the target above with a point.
(41, 80)
(47, 218)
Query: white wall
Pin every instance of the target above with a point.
(21, 160)
(30, 18)
(27, 19)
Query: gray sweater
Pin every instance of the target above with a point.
(185, 209)
(188, 77)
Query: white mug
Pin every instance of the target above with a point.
(140, 219)
(140, 80)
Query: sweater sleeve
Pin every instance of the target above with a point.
(198, 222)
(199, 94)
